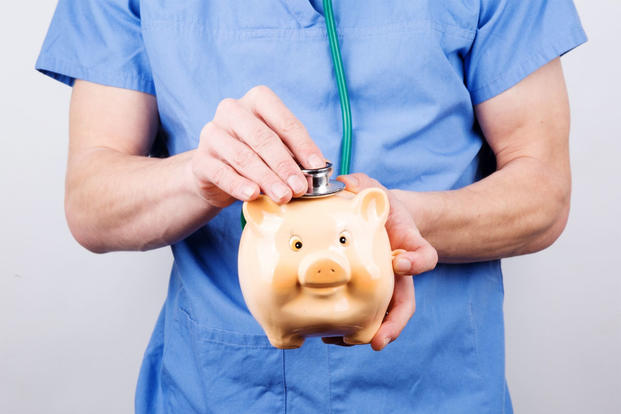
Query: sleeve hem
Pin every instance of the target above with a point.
(67, 72)
(535, 61)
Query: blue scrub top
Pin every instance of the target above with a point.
(415, 68)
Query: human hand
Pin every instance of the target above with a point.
(250, 146)
(418, 257)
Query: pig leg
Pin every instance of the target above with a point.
(364, 335)
(284, 340)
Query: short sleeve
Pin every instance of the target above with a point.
(99, 41)
(515, 38)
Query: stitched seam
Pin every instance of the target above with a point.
(216, 330)
(475, 340)
(64, 65)
(284, 379)
(504, 398)
(317, 32)
(193, 333)
(329, 381)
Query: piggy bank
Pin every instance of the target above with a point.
(317, 267)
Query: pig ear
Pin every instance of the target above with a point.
(373, 204)
(255, 211)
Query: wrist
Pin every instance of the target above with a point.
(190, 183)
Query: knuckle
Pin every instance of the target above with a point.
(200, 156)
(217, 175)
(371, 182)
(418, 267)
(410, 238)
(208, 149)
(205, 152)
(363, 179)
(242, 158)
(227, 105)
(257, 92)
(306, 147)
(427, 260)
(284, 167)
(292, 127)
(261, 89)
(266, 179)
(208, 130)
(432, 257)
(264, 139)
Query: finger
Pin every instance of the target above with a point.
(416, 262)
(400, 310)
(247, 163)
(262, 101)
(335, 340)
(358, 182)
(240, 121)
(221, 145)
(226, 179)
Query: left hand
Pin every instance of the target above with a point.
(419, 257)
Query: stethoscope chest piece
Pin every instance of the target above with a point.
(319, 183)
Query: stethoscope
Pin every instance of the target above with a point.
(319, 182)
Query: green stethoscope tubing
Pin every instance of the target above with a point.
(341, 84)
(342, 87)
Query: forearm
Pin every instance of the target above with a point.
(116, 198)
(116, 201)
(519, 209)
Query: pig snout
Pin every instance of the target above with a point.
(323, 270)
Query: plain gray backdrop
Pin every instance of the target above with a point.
(74, 325)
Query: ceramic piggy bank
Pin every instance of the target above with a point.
(317, 267)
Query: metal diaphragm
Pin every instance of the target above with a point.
(319, 183)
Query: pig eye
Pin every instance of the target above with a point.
(295, 243)
(344, 239)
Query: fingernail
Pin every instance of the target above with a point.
(297, 184)
(387, 340)
(248, 191)
(280, 190)
(315, 161)
(402, 265)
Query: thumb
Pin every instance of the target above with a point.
(415, 262)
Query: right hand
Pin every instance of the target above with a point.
(251, 146)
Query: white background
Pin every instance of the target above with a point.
(74, 325)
